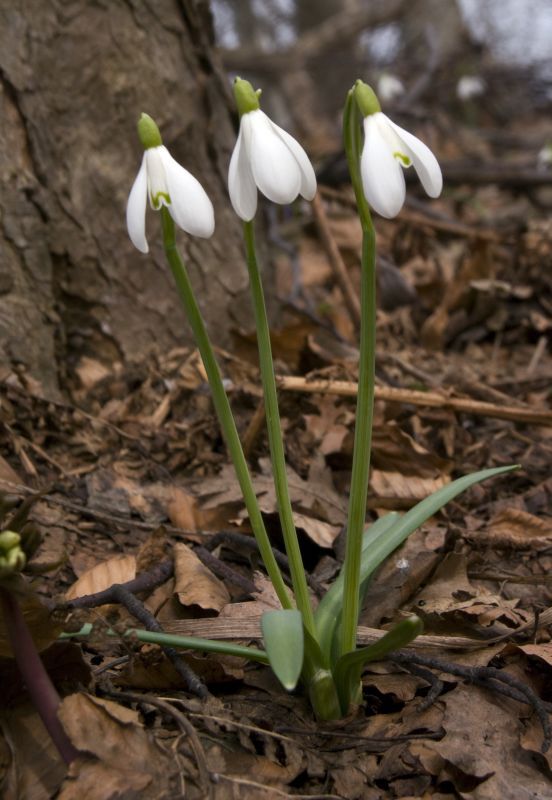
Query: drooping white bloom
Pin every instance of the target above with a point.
(470, 86)
(387, 149)
(164, 181)
(389, 87)
(269, 159)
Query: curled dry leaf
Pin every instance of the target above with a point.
(514, 528)
(195, 584)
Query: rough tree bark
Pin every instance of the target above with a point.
(74, 77)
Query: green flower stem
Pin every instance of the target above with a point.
(222, 407)
(183, 642)
(365, 398)
(297, 569)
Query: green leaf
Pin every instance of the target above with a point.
(349, 667)
(384, 536)
(285, 644)
(327, 614)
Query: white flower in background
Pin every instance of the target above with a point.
(164, 182)
(266, 158)
(387, 150)
(544, 156)
(390, 87)
(470, 86)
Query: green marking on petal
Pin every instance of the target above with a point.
(406, 161)
(156, 200)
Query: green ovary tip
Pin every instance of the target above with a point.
(148, 132)
(366, 98)
(247, 99)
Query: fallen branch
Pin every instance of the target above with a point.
(292, 383)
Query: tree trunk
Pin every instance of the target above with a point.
(74, 77)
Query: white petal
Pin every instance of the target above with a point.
(382, 177)
(425, 163)
(189, 205)
(157, 180)
(274, 168)
(136, 209)
(308, 178)
(241, 186)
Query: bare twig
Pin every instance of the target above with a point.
(121, 593)
(142, 583)
(466, 405)
(335, 260)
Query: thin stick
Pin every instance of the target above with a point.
(293, 383)
(336, 262)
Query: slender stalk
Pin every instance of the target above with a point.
(184, 642)
(222, 406)
(365, 398)
(41, 689)
(291, 541)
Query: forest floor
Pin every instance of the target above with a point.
(129, 472)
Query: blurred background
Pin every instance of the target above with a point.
(441, 53)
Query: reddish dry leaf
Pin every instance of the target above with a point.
(195, 584)
(118, 569)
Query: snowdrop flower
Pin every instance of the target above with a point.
(389, 87)
(164, 182)
(266, 158)
(387, 150)
(470, 86)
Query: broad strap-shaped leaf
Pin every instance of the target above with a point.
(381, 541)
(349, 668)
(284, 642)
(329, 608)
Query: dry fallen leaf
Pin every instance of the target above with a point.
(118, 569)
(482, 747)
(120, 757)
(33, 768)
(195, 584)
